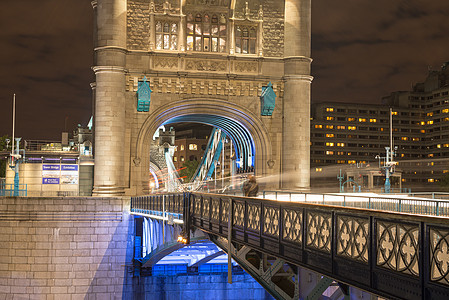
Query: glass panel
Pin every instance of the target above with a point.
(189, 43)
(238, 47)
(206, 19)
(189, 17)
(252, 32)
(198, 18)
(245, 32)
(244, 46)
(206, 29)
(252, 46)
(166, 41)
(159, 41)
(189, 28)
(158, 27)
(214, 44)
(214, 30)
(222, 19)
(197, 43)
(214, 19)
(206, 42)
(166, 26)
(222, 46)
(198, 29)
(238, 32)
(174, 42)
(174, 28)
(222, 30)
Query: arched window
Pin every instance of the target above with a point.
(245, 39)
(206, 33)
(166, 36)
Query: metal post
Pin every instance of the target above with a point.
(229, 241)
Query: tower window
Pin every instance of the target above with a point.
(245, 39)
(166, 36)
(205, 33)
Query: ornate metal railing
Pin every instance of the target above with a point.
(398, 256)
(421, 206)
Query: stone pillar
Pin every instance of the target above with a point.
(110, 55)
(296, 126)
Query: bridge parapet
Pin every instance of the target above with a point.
(395, 255)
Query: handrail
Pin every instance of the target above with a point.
(394, 204)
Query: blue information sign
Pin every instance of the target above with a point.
(69, 167)
(50, 180)
(51, 167)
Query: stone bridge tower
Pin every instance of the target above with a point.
(205, 61)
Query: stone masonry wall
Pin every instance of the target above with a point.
(65, 248)
(138, 24)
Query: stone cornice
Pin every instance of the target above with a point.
(298, 77)
(108, 69)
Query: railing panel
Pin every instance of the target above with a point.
(393, 255)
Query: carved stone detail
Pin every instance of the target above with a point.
(206, 65)
(166, 63)
(246, 67)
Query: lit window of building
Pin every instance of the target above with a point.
(245, 39)
(329, 135)
(394, 113)
(318, 126)
(341, 161)
(193, 147)
(340, 153)
(340, 144)
(415, 139)
(423, 123)
(175, 158)
(430, 180)
(430, 155)
(329, 118)
(439, 146)
(351, 161)
(330, 144)
(166, 36)
(318, 169)
(330, 126)
(404, 138)
(430, 114)
(445, 111)
(206, 33)
(446, 145)
(446, 119)
(423, 131)
(329, 152)
(182, 147)
(182, 158)
(351, 119)
(362, 120)
(341, 127)
(430, 122)
(352, 128)
(373, 120)
(329, 109)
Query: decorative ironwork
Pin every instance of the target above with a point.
(224, 211)
(197, 208)
(206, 207)
(215, 209)
(319, 231)
(253, 217)
(398, 247)
(292, 226)
(239, 214)
(439, 255)
(352, 238)
(271, 221)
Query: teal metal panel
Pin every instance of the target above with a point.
(267, 100)
(143, 95)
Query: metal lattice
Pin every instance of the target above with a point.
(292, 230)
(271, 221)
(253, 217)
(439, 255)
(398, 247)
(352, 238)
(319, 231)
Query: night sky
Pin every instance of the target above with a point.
(362, 50)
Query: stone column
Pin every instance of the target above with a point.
(110, 52)
(296, 126)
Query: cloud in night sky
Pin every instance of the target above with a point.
(362, 50)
